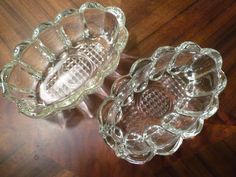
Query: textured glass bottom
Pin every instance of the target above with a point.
(74, 68)
(151, 105)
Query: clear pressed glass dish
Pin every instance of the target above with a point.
(163, 100)
(65, 59)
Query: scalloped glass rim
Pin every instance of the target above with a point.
(75, 98)
(117, 98)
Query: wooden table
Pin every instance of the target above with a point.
(73, 147)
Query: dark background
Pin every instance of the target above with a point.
(73, 147)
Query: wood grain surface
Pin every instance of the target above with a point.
(72, 146)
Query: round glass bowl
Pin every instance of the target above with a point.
(65, 59)
(163, 100)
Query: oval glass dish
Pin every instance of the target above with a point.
(163, 100)
(65, 59)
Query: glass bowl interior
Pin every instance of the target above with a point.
(163, 100)
(65, 59)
